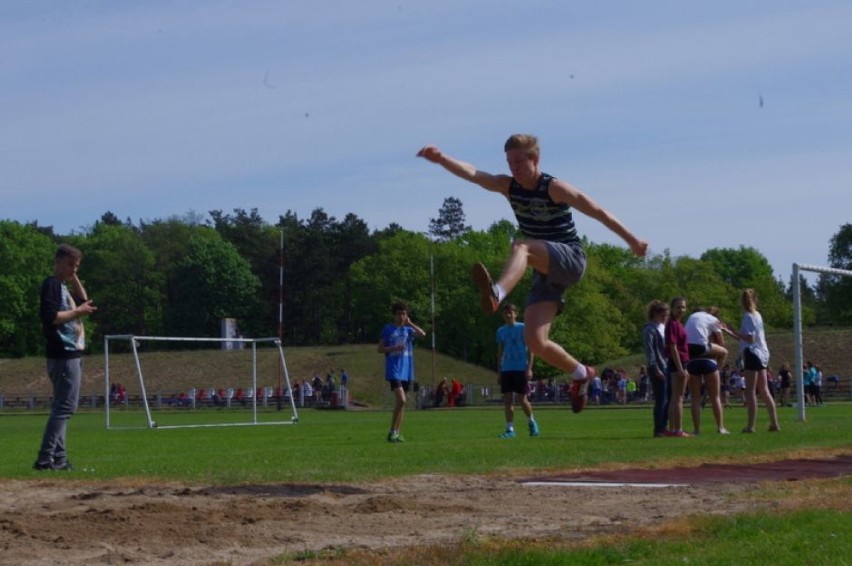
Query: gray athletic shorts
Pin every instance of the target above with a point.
(567, 266)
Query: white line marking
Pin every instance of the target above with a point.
(598, 484)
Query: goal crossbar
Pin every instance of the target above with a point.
(134, 340)
(797, 325)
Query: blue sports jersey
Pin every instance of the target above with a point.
(399, 365)
(514, 348)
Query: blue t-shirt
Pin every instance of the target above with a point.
(514, 348)
(399, 365)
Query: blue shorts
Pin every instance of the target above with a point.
(701, 366)
(567, 266)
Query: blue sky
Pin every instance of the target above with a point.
(699, 124)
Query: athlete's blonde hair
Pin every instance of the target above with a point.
(526, 142)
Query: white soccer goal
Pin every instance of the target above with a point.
(226, 387)
(797, 326)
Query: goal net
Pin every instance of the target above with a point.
(184, 382)
(797, 326)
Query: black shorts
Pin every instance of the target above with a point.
(698, 350)
(751, 362)
(396, 384)
(513, 382)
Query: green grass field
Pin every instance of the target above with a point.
(350, 446)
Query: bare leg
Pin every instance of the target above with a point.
(720, 353)
(537, 320)
(508, 407)
(695, 401)
(750, 395)
(526, 406)
(396, 422)
(762, 386)
(676, 402)
(525, 253)
(711, 383)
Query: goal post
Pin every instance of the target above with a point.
(242, 399)
(797, 326)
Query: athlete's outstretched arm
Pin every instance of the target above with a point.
(563, 192)
(466, 171)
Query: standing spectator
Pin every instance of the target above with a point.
(307, 391)
(330, 385)
(317, 385)
(396, 342)
(785, 377)
(644, 381)
(61, 311)
(653, 342)
(755, 354)
(704, 336)
(631, 389)
(817, 386)
(344, 387)
(596, 390)
(725, 385)
(620, 387)
(677, 349)
(514, 370)
(549, 245)
(442, 391)
(738, 386)
(456, 391)
(808, 376)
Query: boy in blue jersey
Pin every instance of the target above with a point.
(514, 370)
(549, 244)
(61, 311)
(396, 343)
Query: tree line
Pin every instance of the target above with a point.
(320, 281)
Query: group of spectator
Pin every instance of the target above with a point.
(315, 390)
(690, 355)
(448, 393)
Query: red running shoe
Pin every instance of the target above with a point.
(483, 282)
(579, 388)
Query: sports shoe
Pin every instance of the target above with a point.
(748, 430)
(534, 429)
(483, 282)
(62, 466)
(42, 466)
(723, 430)
(395, 438)
(579, 388)
(508, 434)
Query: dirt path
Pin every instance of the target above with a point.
(74, 522)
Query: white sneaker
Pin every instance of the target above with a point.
(723, 430)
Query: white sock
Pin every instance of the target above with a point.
(580, 372)
(501, 294)
(510, 426)
(531, 420)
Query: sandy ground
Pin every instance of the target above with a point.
(53, 520)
